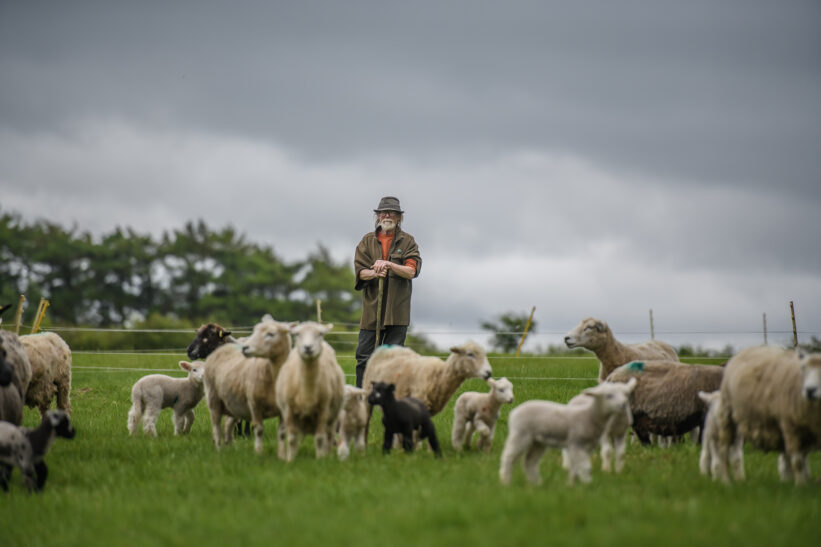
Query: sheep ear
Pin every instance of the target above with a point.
(491, 382)
(391, 387)
(267, 318)
(185, 365)
(457, 350)
(630, 385)
(799, 351)
(328, 328)
(54, 419)
(601, 326)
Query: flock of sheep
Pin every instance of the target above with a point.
(766, 396)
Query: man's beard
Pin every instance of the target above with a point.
(387, 225)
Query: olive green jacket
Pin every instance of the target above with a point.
(396, 293)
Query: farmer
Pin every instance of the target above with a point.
(387, 258)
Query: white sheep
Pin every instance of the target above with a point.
(476, 412)
(13, 394)
(309, 391)
(239, 382)
(613, 440)
(353, 417)
(595, 335)
(535, 426)
(770, 398)
(429, 379)
(50, 359)
(154, 392)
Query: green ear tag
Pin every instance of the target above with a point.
(638, 366)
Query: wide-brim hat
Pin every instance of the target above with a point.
(389, 203)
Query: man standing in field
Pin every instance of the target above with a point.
(392, 256)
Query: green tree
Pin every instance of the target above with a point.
(332, 283)
(508, 329)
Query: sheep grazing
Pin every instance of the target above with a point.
(429, 379)
(405, 417)
(595, 335)
(353, 417)
(208, 338)
(708, 459)
(309, 390)
(239, 383)
(13, 394)
(665, 401)
(770, 398)
(50, 359)
(25, 448)
(154, 392)
(535, 426)
(477, 413)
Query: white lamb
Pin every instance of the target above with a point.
(535, 426)
(596, 336)
(476, 412)
(155, 392)
(309, 390)
(50, 359)
(239, 382)
(770, 398)
(353, 418)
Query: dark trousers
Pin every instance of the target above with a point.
(392, 335)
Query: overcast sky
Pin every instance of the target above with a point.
(591, 158)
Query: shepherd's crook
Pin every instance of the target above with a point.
(378, 310)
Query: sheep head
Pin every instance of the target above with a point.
(208, 338)
(590, 334)
(381, 392)
(270, 340)
(470, 361)
(196, 371)
(502, 389)
(810, 375)
(613, 397)
(308, 338)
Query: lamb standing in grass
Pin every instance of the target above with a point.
(353, 417)
(429, 379)
(25, 448)
(477, 413)
(596, 336)
(405, 417)
(309, 390)
(154, 392)
(535, 426)
(770, 398)
(239, 384)
(50, 359)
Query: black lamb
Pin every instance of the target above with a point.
(403, 417)
(26, 448)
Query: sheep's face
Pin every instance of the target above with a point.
(353, 398)
(196, 371)
(308, 338)
(269, 339)
(381, 392)
(502, 390)
(589, 334)
(811, 376)
(471, 361)
(60, 422)
(208, 338)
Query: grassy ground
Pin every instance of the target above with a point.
(107, 488)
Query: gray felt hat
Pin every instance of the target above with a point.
(389, 203)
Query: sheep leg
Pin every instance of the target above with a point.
(282, 441)
(5, 473)
(189, 421)
(531, 463)
(150, 416)
(579, 465)
(41, 473)
(228, 429)
(481, 428)
(216, 426)
(784, 468)
(134, 415)
(515, 446)
(620, 445)
(457, 434)
(736, 458)
(606, 452)
(794, 456)
(343, 449)
(294, 440)
(63, 401)
(179, 422)
(467, 438)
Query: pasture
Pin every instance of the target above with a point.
(105, 487)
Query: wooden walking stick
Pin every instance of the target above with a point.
(379, 309)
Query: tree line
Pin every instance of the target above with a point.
(194, 274)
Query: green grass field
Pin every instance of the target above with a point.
(106, 488)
